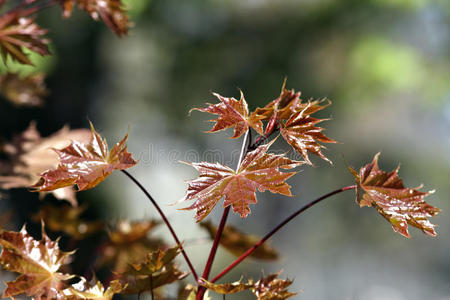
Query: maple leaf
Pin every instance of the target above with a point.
(128, 243)
(272, 288)
(157, 270)
(111, 12)
(93, 290)
(268, 288)
(17, 33)
(86, 165)
(29, 154)
(232, 113)
(38, 263)
(282, 108)
(237, 242)
(26, 91)
(66, 218)
(399, 205)
(259, 170)
(302, 134)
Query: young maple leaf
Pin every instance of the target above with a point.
(23, 91)
(272, 288)
(302, 134)
(93, 290)
(232, 113)
(38, 263)
(128, 244)
(17, 33)
(86, 165)
(237, 242)
(111, 12)
(269, 288)
(157, 270)
(399, 205)
(259, 170)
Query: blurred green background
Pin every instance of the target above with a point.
(383, 63)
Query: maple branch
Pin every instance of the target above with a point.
(163, 216)
(244, 150)
(273, 231)
(262, 138)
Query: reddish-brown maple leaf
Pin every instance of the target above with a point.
(17, 33)
(399, 205)
(29, 154)
(111, 12)
(301, 132)
(259, 170)
(268, 288)
(23, 91)
(232, 113)
(86, 165)
(282, 108)
(38, 263)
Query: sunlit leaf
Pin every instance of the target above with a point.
(272, 288)
(28, 155)
(112, 12)
(259, 171)
(399, 205)
(93, 290)
(129, 243)
(232, 113)
(227, 288)
(237, 242)
(26, 91)
(301, 132)
(68, 219)
(17, 33)
(86, 165)
(38, 262)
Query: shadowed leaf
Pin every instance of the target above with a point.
(28, 155)
(399, 205)
(93, 290)
(259, 171)
(38, 263)
(27, 91)
(227, 288)
(86, 165)
(237, 242)
(232, 113)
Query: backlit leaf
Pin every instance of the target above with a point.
(302, 134)
(18, 33)
(112, 12)
(29, 154)
(92, 291)
(399, 205)
(237, 242)
(26, 91)
(232, 113)
(259, 171)
(272, 288)
(86, 165)
(227, 288)
(38, 262)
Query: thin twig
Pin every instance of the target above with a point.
(163, 216)
(273, 231)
